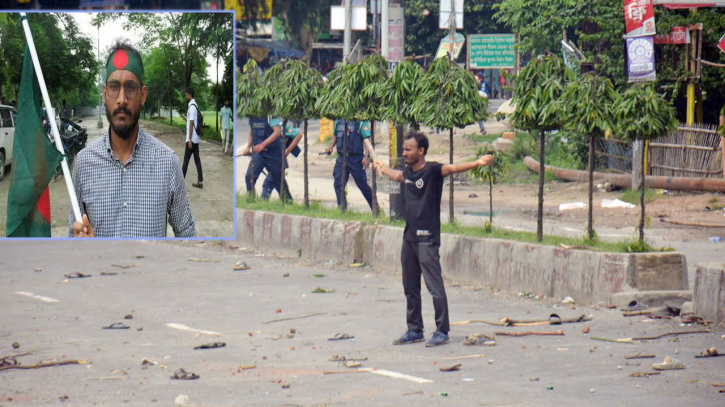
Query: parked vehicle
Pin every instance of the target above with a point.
(8, 118)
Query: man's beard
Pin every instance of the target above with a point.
(123, 130)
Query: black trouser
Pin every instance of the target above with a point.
(422, 258)
(187, 154)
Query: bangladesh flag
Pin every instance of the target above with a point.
(35, 159)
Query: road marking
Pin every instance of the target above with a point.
(397, 375)
(199, 331)
(37, 297)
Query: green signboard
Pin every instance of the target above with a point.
(491, 51)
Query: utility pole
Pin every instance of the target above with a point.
(384, 29)
(348, 30)
(452, 24)
(395, 10)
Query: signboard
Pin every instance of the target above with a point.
(639, 18)
(325, 129)
(396, 35)
(444, 48)
(641, 59)
(359, 18)
(674, 4)
(491, 51)
(679, 35)
(721, 43)
(264, 13)
(444, 22)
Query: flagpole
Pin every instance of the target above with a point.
(51, 118)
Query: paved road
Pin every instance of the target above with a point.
(165, 287)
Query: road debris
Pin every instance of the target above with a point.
(532, 333)
(213, 345)
(182, 400)
(554, 319)
(240, 265)
(203, 260)
(246, 367)
(669, 363)
(644, 374)
(567, 300)
(124, 266)
(451, 368)
(16, 345)
(77, 275)
(146, 361)
(710, 352)
(533, 379)
(320, 290)
(363, 370)
(293, 318)
(341, 336)
(128, 316)
(285, 275)
(585, 330)
(480, 340)
(639, 356)
(464, 357)
(353, 364)
(109, 273)
(413, 392)
(47, 364)
(182, 374)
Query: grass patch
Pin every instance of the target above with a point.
(488, 138)
(633, 196)
(320, 290)
(317, 210)
(518, 173)
(208, 133)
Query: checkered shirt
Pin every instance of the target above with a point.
(132, 200)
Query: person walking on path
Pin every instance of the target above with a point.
(226, 113)
(193, 131)
(421, 237)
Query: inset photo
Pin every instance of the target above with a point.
(116, 125)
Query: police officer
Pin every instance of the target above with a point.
(266, 145)
(357, 158)
(292, 139)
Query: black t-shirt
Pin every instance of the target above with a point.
(423, 191)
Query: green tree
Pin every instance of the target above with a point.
(588, 110)
(220, 44)
(300, 87)
(400, 91)
(163, 84)
(538, 90)
(448, 98)
(643, 114)
(370, 76)
(66, 57)
(490, 174)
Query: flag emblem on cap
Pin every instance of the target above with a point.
(120, 59)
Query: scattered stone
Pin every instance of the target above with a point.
(16, 345)
(129, 316)
(286, 386)
(473, 196)
(241, 266)
(285, 275)
(182, 400)
(567, 300)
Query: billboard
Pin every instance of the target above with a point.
(639, 18)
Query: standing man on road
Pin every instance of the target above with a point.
(421, 238)
(226, 113)
(358, 158)
(128, 183)
(193, 132)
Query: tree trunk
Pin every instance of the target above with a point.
(450, 199)
(590, 218)
(490, 202)
(171, 110)
(542, 170)
(641, 199)
(282, 196)
(307, 182)
(374, 181)
(216, 97)
(343, 181)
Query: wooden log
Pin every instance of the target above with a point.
(696, 224)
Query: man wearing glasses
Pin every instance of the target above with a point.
(127, 182)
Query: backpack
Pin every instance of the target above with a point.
(198, 120)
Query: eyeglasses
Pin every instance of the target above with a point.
(130, 88)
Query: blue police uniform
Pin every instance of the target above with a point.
(269, 183)
(269, 158)
(357, 132)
